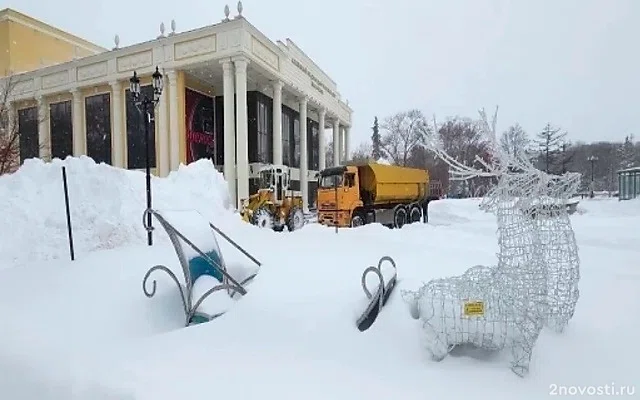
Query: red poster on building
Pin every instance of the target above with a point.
(200, 126)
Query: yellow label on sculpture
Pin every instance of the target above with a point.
(473, 308)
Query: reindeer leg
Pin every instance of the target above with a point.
(435, 342)
(521, 357)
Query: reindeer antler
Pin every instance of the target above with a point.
(460, 171)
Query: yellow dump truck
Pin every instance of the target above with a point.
(357, 194)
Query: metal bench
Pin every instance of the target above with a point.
(199, 256)
(379, 298)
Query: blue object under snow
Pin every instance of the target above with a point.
(199, 266)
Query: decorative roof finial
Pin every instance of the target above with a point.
(239, 9)
(226, 13)
(173, 27)
(116, 40)
(161, 30)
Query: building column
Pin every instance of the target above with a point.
(117, 107)
(341, 143)
(322, 159)
(347, 150)
(277, 122)
(44, 141)
(304, 155)
(242, 138)
(174, 123)
(229, 129)
(336, 142)
(79, 135)
(164, 157)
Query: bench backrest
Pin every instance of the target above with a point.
(188, 229)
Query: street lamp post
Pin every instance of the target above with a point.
(592, 160)
(142, 104)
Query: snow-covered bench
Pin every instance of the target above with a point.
(572, 205)
(208, 288)
(377, 298)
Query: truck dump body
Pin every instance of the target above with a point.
(384, 184)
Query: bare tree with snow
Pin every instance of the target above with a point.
(10, 138)
(626, 153)
(9, 133)
(550, 141)
(363, 153)
(403, 132)
(515, 141)
(328, 154)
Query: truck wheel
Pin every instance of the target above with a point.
(357, 220)
(399, 217)
(295, 219)
(415, 214)
(262, 218)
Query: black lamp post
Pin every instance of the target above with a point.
(592, 160)
(143, 105)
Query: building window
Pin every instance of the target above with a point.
(200, 117)
(61, 125)
(313, 145)
(136, 145)
(264, 129)
(316, 148)
(28, 133)
(98, 127)
(296, 143)
(290, 137)
(286, 136)
(219, 129)
(312, 193)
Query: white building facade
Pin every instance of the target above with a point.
(230, 94)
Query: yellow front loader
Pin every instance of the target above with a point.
(274, 206)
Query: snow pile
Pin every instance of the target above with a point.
(106, 204)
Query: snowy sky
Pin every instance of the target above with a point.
(574, 63)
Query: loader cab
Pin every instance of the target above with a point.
(275, 178)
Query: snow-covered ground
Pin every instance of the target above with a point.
(84, 328)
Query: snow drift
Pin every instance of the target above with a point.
(106, 204)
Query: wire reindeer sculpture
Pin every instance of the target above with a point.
(506, 305)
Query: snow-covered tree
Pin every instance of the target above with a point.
(364, 152)
(9, 134)
(550, 141)
(404, 131)
(515, 141)
(376, 149)
(626, 153)
(328, 154)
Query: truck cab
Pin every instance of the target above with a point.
(338, 196)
